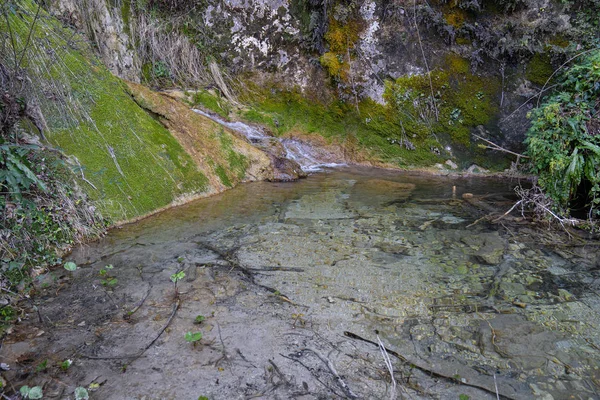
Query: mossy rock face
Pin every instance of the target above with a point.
(224, 158)
(131, 162)
(539, 69)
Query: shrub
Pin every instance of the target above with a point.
(564, 139)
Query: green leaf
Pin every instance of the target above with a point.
(199, 319)
(24, 391)
(81, 393)
(70, 266)
(177, 276)
(36, 393)
(590, 146)
(193, 337)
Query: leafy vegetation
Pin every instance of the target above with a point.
(31, 392)
(193, 337)
(564, 139)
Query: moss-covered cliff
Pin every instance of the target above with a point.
(355, 59)
(131, 160)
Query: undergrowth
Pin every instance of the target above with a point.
(564, 138)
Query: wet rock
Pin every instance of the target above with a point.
(476, 169)
(489, 247)
(395, 248)
(451, 164)
(512, 289)
(285, 169)
(565, 295)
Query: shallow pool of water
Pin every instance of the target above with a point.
(291, 276)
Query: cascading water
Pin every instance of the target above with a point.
(307, 156)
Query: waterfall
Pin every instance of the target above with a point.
(309, 158)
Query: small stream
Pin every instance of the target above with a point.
(289, 275)
(308, 157)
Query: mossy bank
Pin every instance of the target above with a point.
(133, 151)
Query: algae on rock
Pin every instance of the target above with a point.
(132, 164)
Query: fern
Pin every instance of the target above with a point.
(562, 143)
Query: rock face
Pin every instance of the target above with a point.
(107, 25)
(223, 157)
(489, 247)
(358, 45)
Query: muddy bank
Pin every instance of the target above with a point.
(297, 283)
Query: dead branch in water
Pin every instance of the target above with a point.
(422, 366)
(141, 352)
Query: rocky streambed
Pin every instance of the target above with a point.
(352, 283)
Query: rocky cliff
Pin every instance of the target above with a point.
(476, 57)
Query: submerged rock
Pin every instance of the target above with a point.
(489, 247)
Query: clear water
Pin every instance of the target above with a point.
(374, 252)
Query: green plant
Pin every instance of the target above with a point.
(193, 337)
(176, 277)
(42, 366)
(81, 393)
(31, 393)
(16, 171)
(65, 365)
(109, 280)
(199, 319)
(564, 139)
(70, 266)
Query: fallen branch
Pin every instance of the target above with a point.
(493, 146)
(390, 367)
(331, 367)
(141, 352)
(312, 373)
(422, 366)
(128, 314)
(509, 211)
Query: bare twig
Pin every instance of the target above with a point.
(425, 61)
(509, 211)
(332, 369)
(141, 352)
(496, 386)
(37, 14)
(390, 367)
(429, 369)
(494, 146)
(560, 67)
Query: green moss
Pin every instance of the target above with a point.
(222, 174)
(463, 41)
(456, 65)
(539, 68)
(238, 163)
(133, 162)
(461, 101)
(341, 38)
(559, 41)
(212, 102)
(126, 14)
(374, 129)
